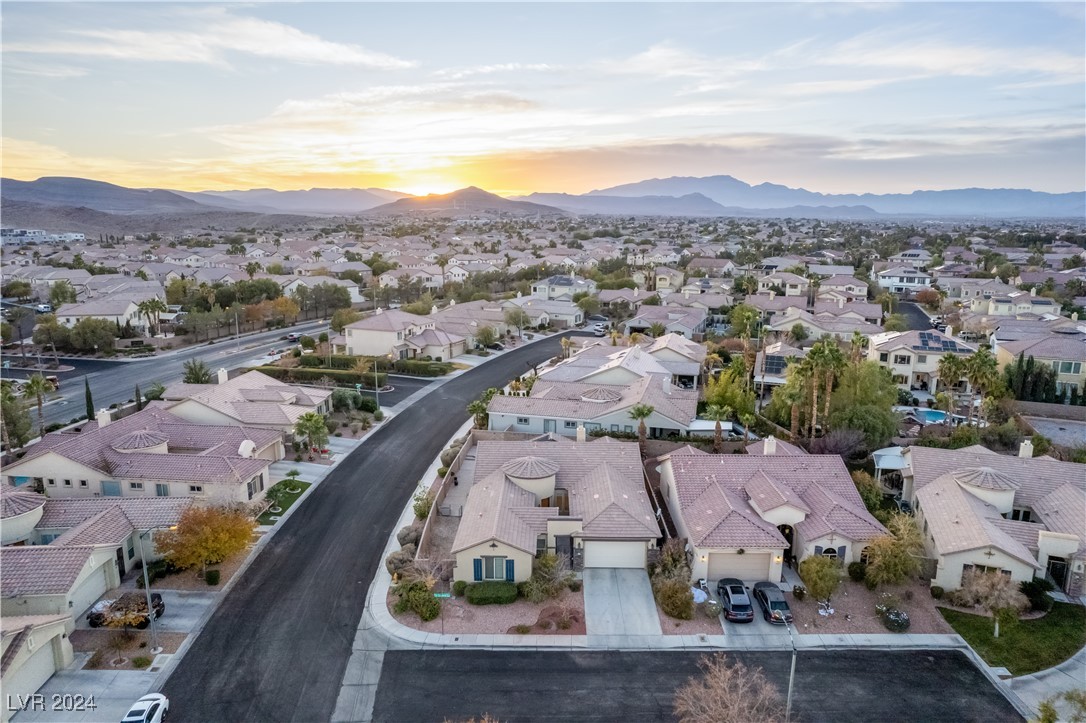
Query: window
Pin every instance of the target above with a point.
(51, 482)
(162, 490)
(628, 429)
(196, 488)
(135, 485)
(921, 358)
(1021, 515)
(570, 425)
(82, 483)
(883, 357)
(67, 483)
(493, 568)
(830, 552)
(614, 427)
(522, 420)
(131, 547)
(902, 358)
(541, 544)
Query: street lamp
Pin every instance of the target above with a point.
(791, 674)
(155, 648)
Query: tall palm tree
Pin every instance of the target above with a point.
(615, 336)
(810, 367)
(718, 413)
(312, 428)
(858, 345)
(252, 268)
(657, 330)
(982, 371)
(641, 412)
(833, 363)
(951, 370)
(152, 309)
(792, 395)
(38, 386)
(711, 362)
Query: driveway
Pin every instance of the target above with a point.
(112, 692)
(183, 609)
(618, 602)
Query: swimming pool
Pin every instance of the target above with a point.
(924, 416)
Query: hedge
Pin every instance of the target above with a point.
(340, 377)
(492, 593)
(413, 367)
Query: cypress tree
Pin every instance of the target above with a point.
(139, 399)
(89, 398)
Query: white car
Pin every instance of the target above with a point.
(151, 708)
(599, 329)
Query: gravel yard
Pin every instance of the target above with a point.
(700, 625)
(111, 644)
(854, 607)
(194, 579)
(461, 617)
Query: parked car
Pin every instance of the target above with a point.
(735, 601)
(775, 608)
(600, 330)
(44, 308)
(496, 346)
(151, 708)
(598, 318)
(105, 610)
(293, 337)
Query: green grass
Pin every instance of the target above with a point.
(1029, 646)
(288, 500)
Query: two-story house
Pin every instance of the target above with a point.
(401, 335)
(913, 357)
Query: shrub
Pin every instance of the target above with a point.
(550, 575)
(442, 471)
(937, 592)
(366, 404)
(422, 503)
(338, 434)
(141, 661)
(379, 415)
(522, 629)
(494, 592)
(896, 621)
(799, 592)
(459, 587)
(211, 577)
(674, 597)
(448, 456)
(297, 458)
(857, 571)
(712, 609)
(575, 585)
(1036, 591)
(400, 559)
(820, 576)
(417, 598)
(310, 360)
(409, 535)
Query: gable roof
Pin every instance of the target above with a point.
(41, 569)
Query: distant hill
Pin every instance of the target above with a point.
(319, 201)
(729, 191)
(466, 200)
(693, 204)
(97, 195)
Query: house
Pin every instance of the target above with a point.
(848, 284)
(562, 314)
(771, 364)
(562, 287)
(746, 516)
(915, 258)
(151, 453)
(671, 356)
(1015, 303)
(403, 336)
(618, 297)
(913, 357)
(1065, 353)
(903, 279)
(584, 501)
(840, 326)
(684, 321)
(121, 310)
(1022, 516)
(712, 266)
(790, 284)
(34, 647)
(252, 399)
(667, 279)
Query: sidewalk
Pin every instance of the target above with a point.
(1040, 686)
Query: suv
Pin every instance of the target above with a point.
(735, 601)
(44, 308)
(131, 602)
(774, 607)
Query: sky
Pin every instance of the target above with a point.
(522, 97)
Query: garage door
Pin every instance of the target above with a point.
(89, 590)
(748, 568)
(605, 553)
(33, 673)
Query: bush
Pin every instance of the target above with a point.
(422, 504)
(140, 662)
(1036, 591)
(417, 598)
(448, 456)
(937, 592)
(550, 575)
(894, 619)
(522, 629)
(442, 471)
(494, 592)
(459, 587)
(409, 535)
(674, 597)
(712, 609)
(857, 571)
(211, 577)
(310, 360)
(339, 376)
(338, 434)
(575, 585)
(799, 592)
(366, 404)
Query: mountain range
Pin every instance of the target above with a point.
(79, 202)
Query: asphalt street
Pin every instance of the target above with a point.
(638, 687)
(277, 647)
(914, 315)
(115, 381)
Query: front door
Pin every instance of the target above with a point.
(1057, 570)
(120, 562)
(549, 425)
(563, 548)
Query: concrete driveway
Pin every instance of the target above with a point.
(183, 609)
(618, 603)
(112, 693)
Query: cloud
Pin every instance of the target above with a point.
(219, 34)
(667, 60)
(43, 70)
(470, 71)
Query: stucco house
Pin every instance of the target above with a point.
(1021, 516)
(746, 516)
(33, 648)
(151, 453)
(403, 335)
(684, 321)
(1065, 353)
(562, 287)
(903, 279)
(584, 501)
(913, 357)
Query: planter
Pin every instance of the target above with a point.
(275, 509)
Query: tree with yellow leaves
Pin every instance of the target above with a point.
(206, 536)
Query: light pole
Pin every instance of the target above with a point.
(155, 649)
(237, 332)
(791, 675)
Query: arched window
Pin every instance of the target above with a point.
(865, 555)
(830, 552)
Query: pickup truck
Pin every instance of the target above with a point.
(104, 611)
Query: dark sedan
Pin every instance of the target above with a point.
(774, 607)
(735, 601)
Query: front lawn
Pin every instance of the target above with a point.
(1029, 646)
(289, 498)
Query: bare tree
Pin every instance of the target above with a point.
(995, 592)
(728, 693)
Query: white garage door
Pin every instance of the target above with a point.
(32, 674)
(90, 590)
(748, 568)
(605, 553)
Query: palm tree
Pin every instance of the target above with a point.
(982, 371)
(810, 367)
(615, 335)
(886, 300)
(567, 344)
(718, 413)
(712, 361)
(748, 420)
(152, 309)
(38, 386)
(858, 344)
(478, 409)
(196, 372)
(951, 370)
(792, 395)
(656, 330)
(311, 427)
(833, 363)
(252, 268)
(641, 412)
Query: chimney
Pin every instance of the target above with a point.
(841, 302)
(1025, 450)
(770, 446)
(950, 331)
(582, 436)
(1074, 316)
(103, 418)
(224, 375)
(772, 294)
(1033, 291)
